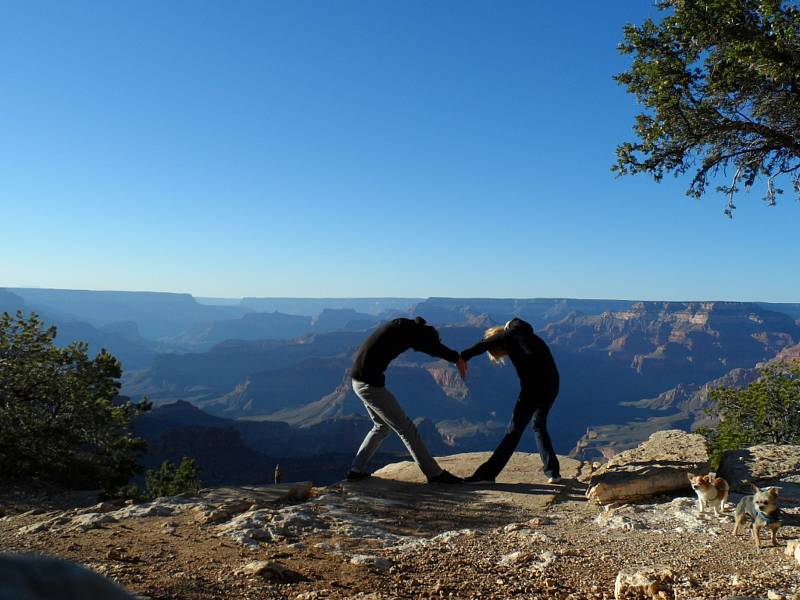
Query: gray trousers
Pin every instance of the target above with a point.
(387, 415)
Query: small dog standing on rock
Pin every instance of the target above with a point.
(710, 492)
(762, 508)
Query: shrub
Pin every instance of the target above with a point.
(766, 411)
(171, 481)
(60, 418)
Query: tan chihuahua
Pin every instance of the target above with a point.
(710, 492)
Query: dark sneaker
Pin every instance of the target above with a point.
(356, 475)
(445, 477)
(477, 479)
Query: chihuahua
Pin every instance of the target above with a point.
(711, 491)
(762, 508)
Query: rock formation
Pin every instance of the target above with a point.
(657, 466)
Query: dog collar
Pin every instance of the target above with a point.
(767, 518)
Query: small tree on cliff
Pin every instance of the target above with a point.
(171, 481)
(765, 412)
(58, 417)
(719, 81)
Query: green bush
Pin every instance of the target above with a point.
(58, 417)
(765, 412)
(171, 481)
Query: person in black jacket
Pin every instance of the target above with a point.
(538, 377)
(385, 344)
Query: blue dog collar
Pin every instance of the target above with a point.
(767, 518)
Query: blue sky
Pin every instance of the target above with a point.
(350, 149)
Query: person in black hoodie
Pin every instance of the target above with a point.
(385, 344)
(539, 380)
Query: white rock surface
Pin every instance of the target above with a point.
(510, 559)
(546, 558)
(371, 561)
(793, 549)
(91, 521)
(654, 582)
(267, 569)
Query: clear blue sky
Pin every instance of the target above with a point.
(350, 149)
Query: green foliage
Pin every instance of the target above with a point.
(129, 491)
(171, 481)
(719, 82)
(766, 411)
(58, 420)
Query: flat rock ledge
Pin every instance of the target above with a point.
(655, 467)
(765, 464)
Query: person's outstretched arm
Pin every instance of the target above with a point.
(431, 344)
(498, 340)
(427, 341)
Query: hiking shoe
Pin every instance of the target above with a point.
(356, 475)
(445, 477)
(554, 479)
(477, 479)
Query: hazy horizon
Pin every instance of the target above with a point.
(233, 299)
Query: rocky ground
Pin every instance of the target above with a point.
(393, 536)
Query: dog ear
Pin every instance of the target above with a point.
(773, 491)
(689, 476)
(755, 487)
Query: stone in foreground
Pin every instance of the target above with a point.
(269, 570)
(373, 562)
(657, 466)
(654, 582)
(793, 549)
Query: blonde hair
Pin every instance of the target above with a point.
(497, 355)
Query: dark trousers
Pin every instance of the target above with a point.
(528, 408)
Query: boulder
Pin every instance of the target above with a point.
(766, 464)
(657, 466)
(653, 582)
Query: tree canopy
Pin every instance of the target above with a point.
(60, 416)
(719, 83)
